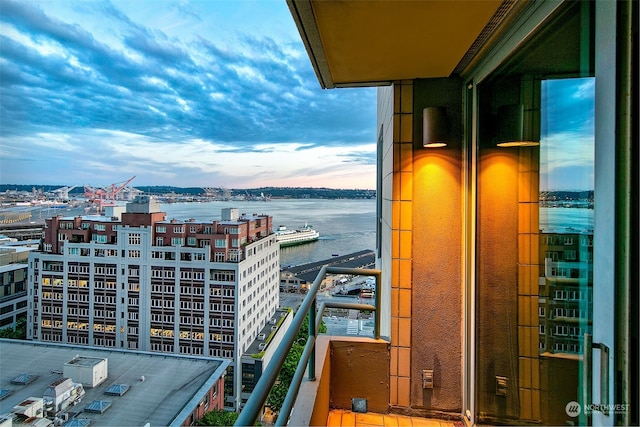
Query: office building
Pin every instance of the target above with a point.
(13, 280)
(140, 282)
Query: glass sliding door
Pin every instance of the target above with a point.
(534, 227)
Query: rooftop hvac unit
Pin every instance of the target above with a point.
(262, 346)
(261, 337)
(273, 328)
(272, 321)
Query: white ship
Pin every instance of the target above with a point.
(298, 236)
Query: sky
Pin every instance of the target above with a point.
(567, 134)
(214, 93)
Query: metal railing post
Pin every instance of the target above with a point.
(312, 335)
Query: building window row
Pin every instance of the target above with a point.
(78, 268)
(104, 314)
(78, 297)
(193, 275)
(53, 296)
(162, 303)
(191, 290)
(134, 238)
(163, 289)
(77, 339)
(191, 320)
(223, 275)
(192, 305)
(99, 238)
(162, 318)
(224, 323)
(159, 274)
(104, 299)
(226, 292)
(81, 326)
(218, 352)
(166, 348)
(76, 311)
(51, 309)
(106, 271)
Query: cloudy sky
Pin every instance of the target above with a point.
(567, 134)
(213, 93)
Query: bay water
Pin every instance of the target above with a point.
(345, 225)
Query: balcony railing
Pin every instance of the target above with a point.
(254, 405)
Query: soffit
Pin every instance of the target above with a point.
(369, 42)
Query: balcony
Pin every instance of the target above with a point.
(340, 380)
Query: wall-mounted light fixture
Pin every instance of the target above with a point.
(435, 129)
(511, 130)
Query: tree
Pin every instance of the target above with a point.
(20, 331)
(218, 417)
(281, 387)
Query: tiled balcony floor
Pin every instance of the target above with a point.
(343, 418)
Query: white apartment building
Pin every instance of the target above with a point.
(137, 281)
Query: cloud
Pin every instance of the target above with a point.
(156, 89)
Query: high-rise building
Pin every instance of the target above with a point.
(138, 281)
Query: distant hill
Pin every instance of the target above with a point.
(273, 192)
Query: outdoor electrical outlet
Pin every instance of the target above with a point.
(427, 378)
(501, 386)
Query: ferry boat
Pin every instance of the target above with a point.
(298, 236)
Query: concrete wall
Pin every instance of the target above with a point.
(346, 368)
(436, 292)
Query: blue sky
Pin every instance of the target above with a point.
(187, 93)
(567, 134)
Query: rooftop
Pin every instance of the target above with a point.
(163, 387)
(308, 272)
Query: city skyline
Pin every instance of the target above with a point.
(217, 94)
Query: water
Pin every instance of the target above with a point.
(561, 219)
(345, 225)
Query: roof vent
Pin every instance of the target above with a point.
(24, 379)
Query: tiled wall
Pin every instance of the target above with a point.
(401, 244)
(528, 272)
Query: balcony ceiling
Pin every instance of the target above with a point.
(373, 42)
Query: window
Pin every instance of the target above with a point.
(100, 227)
(220, 243)
(161, 229)
(99, 238)
(179, 229)
(134, 238)
(177, 241)
(534, 204)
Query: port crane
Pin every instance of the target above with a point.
(63, 192)
(105, 196)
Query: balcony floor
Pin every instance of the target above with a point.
(343, 418)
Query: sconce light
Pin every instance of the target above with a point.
(434, 127)
(510, 128)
